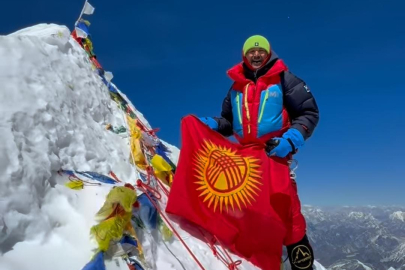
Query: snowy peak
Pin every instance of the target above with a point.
(54, 112)
(397, 255)
(349, 265)
(398, 215)
(315, 214)
(356, 215)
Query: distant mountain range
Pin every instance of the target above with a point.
(357, 238)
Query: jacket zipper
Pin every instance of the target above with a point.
(247, 107)
(239, 107)
(264, 104)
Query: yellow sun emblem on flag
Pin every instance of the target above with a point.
(225, 177)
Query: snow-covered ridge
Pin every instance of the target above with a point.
(53, 113)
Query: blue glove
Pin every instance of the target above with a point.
(291, 141)
(209, 121)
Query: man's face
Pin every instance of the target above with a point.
(256, 56)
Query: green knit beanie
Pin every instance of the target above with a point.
(256, 41)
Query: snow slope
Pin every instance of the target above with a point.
(53, 112)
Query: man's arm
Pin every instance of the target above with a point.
(226, 119)
(300, 104)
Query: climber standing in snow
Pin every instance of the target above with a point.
(269, 104)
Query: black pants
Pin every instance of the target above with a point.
(301, 255)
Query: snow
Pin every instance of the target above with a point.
(365, 266)
(398, 215)
(318, 266)
(356, 215)
(397, 254)
(54, 109)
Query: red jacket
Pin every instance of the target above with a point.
(262, 104)
(258, 107)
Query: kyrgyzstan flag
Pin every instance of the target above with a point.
(235, 192)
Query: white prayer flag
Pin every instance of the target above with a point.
(80, 33)
(108, 76)
(88, 9)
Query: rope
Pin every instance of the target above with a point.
(144, 187)
(150, 173)
(152, 190)
(115, 177)
(74, 178)
(233, 265)
(174, 255)
(144, 128)
(164, 189)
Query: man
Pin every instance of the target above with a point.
(269, 104)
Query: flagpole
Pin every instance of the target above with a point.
(81, 13)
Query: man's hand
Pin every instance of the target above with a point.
(291, 141)
(279, 147)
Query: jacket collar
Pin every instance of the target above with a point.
(241, 73)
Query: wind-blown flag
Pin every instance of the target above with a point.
(235, 192)
(108, 76)
(137, 155)
(88, 9)
(82, 29)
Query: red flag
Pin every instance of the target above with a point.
(235, 192)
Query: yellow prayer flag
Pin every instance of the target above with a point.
(75, 184)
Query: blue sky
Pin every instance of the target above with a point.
(171, 58)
